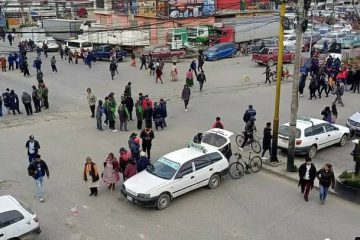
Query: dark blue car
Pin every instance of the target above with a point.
(221, 50)
(103, 53)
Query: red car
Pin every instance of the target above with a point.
(269, 56)
(165, 53)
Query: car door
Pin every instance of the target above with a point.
(317, 135)
(184, 180)
(332, 134)
(203, 170)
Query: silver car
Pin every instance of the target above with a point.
(353, 122)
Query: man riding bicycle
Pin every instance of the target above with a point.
(248, 133)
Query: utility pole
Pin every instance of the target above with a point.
(278, 85)
(57, 10)
(295, 89)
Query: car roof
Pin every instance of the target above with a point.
(183, 155)
(222, 44)
(8, 203)
(305, 122)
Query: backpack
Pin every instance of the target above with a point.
(30, 170)
(246, 117)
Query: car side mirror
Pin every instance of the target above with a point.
(178, 176)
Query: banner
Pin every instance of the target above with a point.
(146, 8)
(191, 8)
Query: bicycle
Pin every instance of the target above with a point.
(237, 170)
(255, 144)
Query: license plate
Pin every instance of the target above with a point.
(129, 198)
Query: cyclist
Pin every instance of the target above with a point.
(250, 112)
(250, 128)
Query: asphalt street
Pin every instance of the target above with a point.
(258, 206)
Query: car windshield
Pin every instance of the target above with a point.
(163, 168)
(284, 131)
(212, 49)
(86, 44)
(74, 44)
(213, 139)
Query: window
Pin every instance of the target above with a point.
(201, 162)
(330, 127)
(213, 139)
(284, 130)
(319, 129)
(186, 168)
(309, 132)
(10, 217)
(214, 157)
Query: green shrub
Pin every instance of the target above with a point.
(350, 179)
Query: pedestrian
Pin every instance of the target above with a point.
(11, 61)
(313, 87)
(53, 64)
(127, 90)
(133, 59)
(193, 66)
(339, 91)
(356, 81)
(36, 96)
(159, 74)
(163, 108)
(189, 78)
(1, 105)
(267, 74)
(123, 116)
(45, 49)
(152, 67)
(112, 69)
(201, 78)
(124, 160)
(174, 72)
(6, 100)
(110, 112)
(32, 146)
(37, 64)
(91, 176)
(218, 123)
(302, 81)
(200, 60)
(26, 100)
(14, 102)
(157, 117)
(99, 113)
(147, 135)
(40, 78)
(185, 96)
(37, 169)
(334, 113)
(10, 39)
(326, 113)
(110, 174)
(130, 169)
(3, 63)
(71, 55)
(148, 114)
(250, 112)
(139, 114)
(326, 179)
(307, 174)
(267, 137)
(91, 98)
(45, 95)
(143, 62)
(130, 106)
(143, 162)
(134, 146)
(89, 59)
(25, 68)
(250, 128)
(61, 50)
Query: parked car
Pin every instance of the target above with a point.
(289, 40)
(320, 44)
(353, 122)
(307, 40)
(257, 45)
(77, 44)
(219, 51)
(269, 56)
(312, 135)
(176, 173)
(17, 220)
(103, 53)
(52, 44)
(165, 53)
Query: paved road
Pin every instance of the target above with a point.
(259, 206)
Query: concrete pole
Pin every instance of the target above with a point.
(295, 90)
(278, 85)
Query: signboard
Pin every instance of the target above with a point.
(191, 8)
(146, 8)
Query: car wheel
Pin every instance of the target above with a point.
(312, 151)
(214, 181)
(270, 63)
(215, 58)
(163, 201)
(343, 140)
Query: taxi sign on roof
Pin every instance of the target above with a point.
(197, 146)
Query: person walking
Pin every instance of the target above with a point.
(130, 169)
(127, 90)
(32, 146)
(133, 59)
(185, 96)
(326, 179)
(193, 66)
(26, 100)
(111, 171)
(26, 68)
(307, 174)
(10, 39)
(91, 98)
(143, 162)
(334, 113)
(174, 72)
(37, 64)
(139, 114)
(91, 176)
(45, 49)
(99, 113)
(45, 95)
(143, 62)
(36, 96)
(313, 87)
(267, 74)
(159, 74)
(147, 135)
(267, 136)
(189, 78)
(340, 89)
(201, 78)
(112, 69)
(11, 61)
(123, 116)
(53, 64)
(6, 100)
(61, 50)
(218, 123)
(14, 102)
(326, 113)
(163, 108)
(200, 61)
(38, 169)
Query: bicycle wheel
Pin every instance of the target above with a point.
(255, 146)
(255, 164)
(236, 170)
(239, 140)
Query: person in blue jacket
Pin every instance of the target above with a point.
(11, 60)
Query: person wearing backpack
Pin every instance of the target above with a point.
(37, 169)
(340, 88)
(218, 123)
(250, 112)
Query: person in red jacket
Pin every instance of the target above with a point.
(218, 123)
(130, 169)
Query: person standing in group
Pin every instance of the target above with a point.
(147, 135)
(189, 78)
(267, 74)
(91, 98)
(326, 113)
(157, 117)
(71, 55)
(340, 89)
(218, 123)
(14, 102)
(326, 179)
(36, 99)
(11, 61)
(111, 171)
(124, 160)
(26, 100)
(53, 64)
(139, 114)
(148, 114)
(6, 100)
(99, 113)
(174, 72)
(37, 64)
(133, 59)
(307, 174)
(45, 95)
(185, 96)
(143, 162)
(201, 78)
(123, 116)
(61, 50)
(129, 102)
(91, 176)
(134, 146)
(37, 169)
(163, 108)
(26, 68)
(267, 136)
(110, 112)
(130, 169)
(313, 87)
(32, 146)
(3, 64)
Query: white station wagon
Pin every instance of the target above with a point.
(176, 173)
(313, 134)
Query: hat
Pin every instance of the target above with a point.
(7, 89)
(31, 137)
(142, 154)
